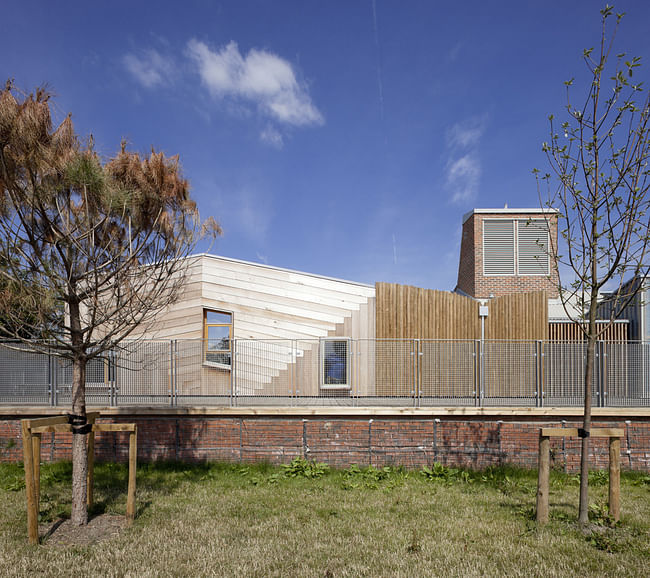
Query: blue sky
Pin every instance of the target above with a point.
(344, 138)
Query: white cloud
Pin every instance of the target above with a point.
(463, 176)
(463, 170)
(149, 67)
(466, 134)
(260, 77)
(272, 137)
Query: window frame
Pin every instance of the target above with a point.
(347, 386)
(226, 353)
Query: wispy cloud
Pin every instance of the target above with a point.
(260, 77)
(463, 168)
(466, 134)
(272, 137)
(463, 177)
(149, 67)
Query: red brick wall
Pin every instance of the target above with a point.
(340, 441)
(470, 269)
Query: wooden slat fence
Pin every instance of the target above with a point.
(405, 312)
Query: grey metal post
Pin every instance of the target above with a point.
(171, 372)
(539, 380)
(603, 374)
(55, 380)
(477, 371)
(233, 373)
(481, 381)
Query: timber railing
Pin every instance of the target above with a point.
(334, 371)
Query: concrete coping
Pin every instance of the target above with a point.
(515, 412)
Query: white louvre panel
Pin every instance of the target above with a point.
(498, 247)
(532, 248)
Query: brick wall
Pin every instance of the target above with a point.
(413, 441)
(470, 268)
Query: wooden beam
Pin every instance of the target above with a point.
(615, 478)
(133, 460)
(90, 475)
(595, 432)
(129, 427)
(607, 432)
(59, 427)
(28, 456)
(44, 421)
(559, 432)
(543, 472)
(36, 452)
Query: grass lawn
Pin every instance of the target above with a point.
(303, 520)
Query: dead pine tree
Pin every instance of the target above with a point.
(89, 249)
(598, 181)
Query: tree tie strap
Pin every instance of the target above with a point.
(80, 425)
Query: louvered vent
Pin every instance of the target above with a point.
(498, 247)
(532, 248)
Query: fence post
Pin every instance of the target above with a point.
(233, 373)
(416, 376)
(604, 356)
(477, 371)
(481, 382)
(543, 466)
(54, 378)
(32, 508)
(539, 372)
(615, 478)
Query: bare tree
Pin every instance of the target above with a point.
(89, 250)
(599, 182)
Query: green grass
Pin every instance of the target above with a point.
(307, 520)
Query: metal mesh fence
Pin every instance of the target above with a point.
(510, 373)
(335, 371)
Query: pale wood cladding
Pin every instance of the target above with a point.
(570, 331)
(267, 303)
(405, 312)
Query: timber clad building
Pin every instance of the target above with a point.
(262, 363)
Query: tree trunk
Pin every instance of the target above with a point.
(583, 509)
(79, 515)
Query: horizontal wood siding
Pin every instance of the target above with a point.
(267, 303)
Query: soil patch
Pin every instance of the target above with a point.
(99, 529)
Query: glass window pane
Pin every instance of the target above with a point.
(219, 338)
(218, 317)
(335, 363)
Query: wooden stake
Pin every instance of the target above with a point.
(90, 477)
(28, 456)
(543, 471)
(36, 460)
(133, 460)
(615, 478)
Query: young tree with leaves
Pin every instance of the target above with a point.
(89, 250)
(599, 181)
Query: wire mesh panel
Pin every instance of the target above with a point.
(199, 375)
(99, 381)
(510, 373)
(264, 371)
(393, 364)
(143, 373)
(564, 374)
(25, 377)
(447, 372)
(626, 380)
